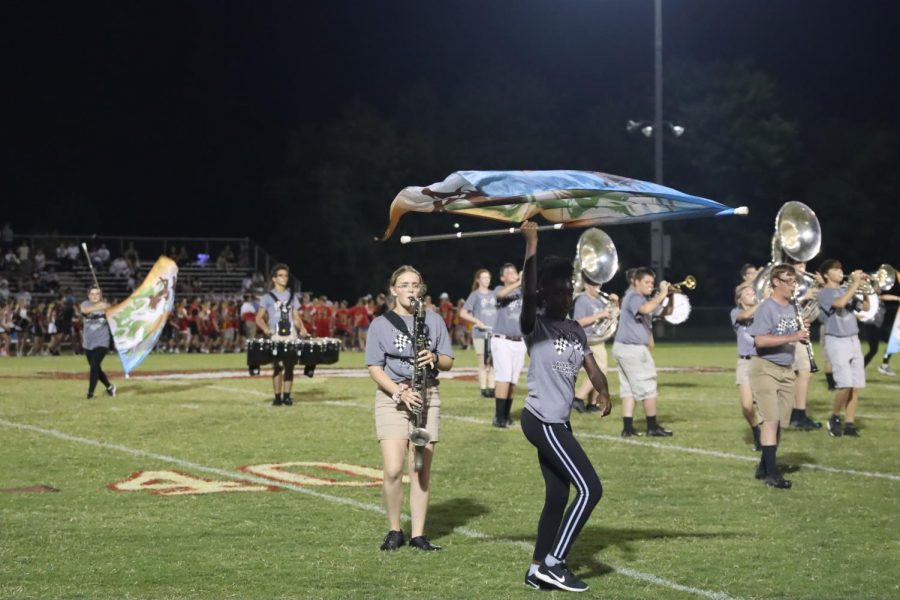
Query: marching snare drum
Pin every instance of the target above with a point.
(318, 351)
(259, 352)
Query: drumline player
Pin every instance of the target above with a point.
(507, 345)
(389, 358)
(480, 308)
(279, 318)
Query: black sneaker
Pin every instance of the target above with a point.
(850, 429)
(90, 396)
(501, 423)
(484, 393)
(287, 401)
(277, 401)
(420, 542)
(393, 540)
(802, 425)
(778, 482)
(532, 581)
(578, 405)
(834, 426)
(559, 576)
(810, 423)
(592, 408)
(111, 390)
(490, 393)
(659, 432)
(630, 433)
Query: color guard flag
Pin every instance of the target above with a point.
(575, 198)
(137, 322)
(894, 341)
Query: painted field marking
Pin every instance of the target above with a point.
(464, 531)
(609, 438)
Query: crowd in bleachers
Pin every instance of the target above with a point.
(39, 313)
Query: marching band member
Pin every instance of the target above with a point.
(481, 309)
(279, 318)
(802, 367)
(841, 339)
(748, 275)
(775, 331)
(558, 349)
(591, 308)
(507, 347)
(95, 340)
(389, 357)
(741, 319)
(634, 339)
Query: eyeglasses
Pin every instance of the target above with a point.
(787, 281)
(408, 286)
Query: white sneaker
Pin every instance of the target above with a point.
(886, 370)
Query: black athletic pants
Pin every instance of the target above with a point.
(95, 357)
(871, 334)
(563, 463)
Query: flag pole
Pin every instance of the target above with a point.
(90, 264)
(459, 235)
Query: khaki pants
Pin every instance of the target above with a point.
(773, 389)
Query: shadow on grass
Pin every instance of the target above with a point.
(679, 384)
(446, 516)
(790, 462)
(155, 390)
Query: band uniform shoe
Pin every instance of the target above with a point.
(778, 482)
(532, 581)
(850, 429)
(592, 408)
(499, 423)
(484, 394)
(90, 396)
(886, 370)
(420, 542)
(802, 425)
(277, 402)
(287, 401)
(559, 576)
(630, 433)
(578, 405)
(111, 390)
(490, 393)
(834, 426)
(393, 540)
(659, 432)
(812, 424)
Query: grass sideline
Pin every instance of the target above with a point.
(680, 518)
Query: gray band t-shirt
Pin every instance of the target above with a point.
(273, 308)
(586, 306)
(745, 345)
(771, 318)
(509, 308)
(634, 328)
(95, 329)
(840, 322)
(391, 349)
(557, 350)
(484, 308)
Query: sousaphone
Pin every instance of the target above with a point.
(596, 260)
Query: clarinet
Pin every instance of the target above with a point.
(420, 437)
(813, 368)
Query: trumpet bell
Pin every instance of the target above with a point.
(797, 232)
(884, 278)
(690, 283)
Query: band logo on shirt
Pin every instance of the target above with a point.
(786, 326)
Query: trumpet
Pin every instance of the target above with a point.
(872, 283)
(690, 283)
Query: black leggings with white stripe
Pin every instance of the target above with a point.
(563, 464)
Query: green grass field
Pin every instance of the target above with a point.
(681, 517)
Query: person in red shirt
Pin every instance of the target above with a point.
(324, 316)
(360, 317)
(445, 308)
(342, 325)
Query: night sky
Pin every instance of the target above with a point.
(188, 105)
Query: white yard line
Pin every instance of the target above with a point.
(374, 508)
(644, 443)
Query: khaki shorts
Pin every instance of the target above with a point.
(599, 351)
(509, 359)
(773, 389)
(394, 422)
(742, 372)
(846, 361)
(478, 344)
(801, 358)
(637, 371)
